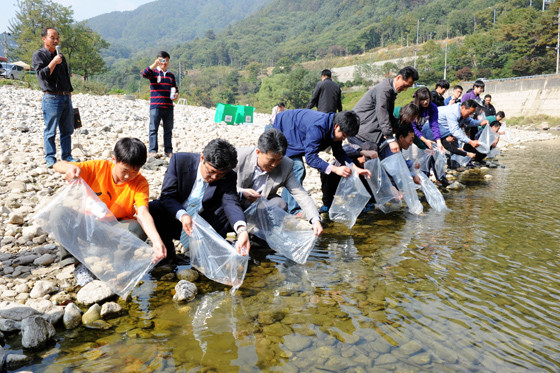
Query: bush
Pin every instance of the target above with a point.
(86, 86)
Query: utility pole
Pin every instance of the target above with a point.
(558, 44)
(445, 59)
(6, 34)
(494, 16)
(417, 30)
(543, 2)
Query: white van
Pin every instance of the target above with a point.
(12, 71)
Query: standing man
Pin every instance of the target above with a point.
(54, 80)
(375, 109)
(309, 132)
(163, 91)
(327, 95)
(437, 94)
(455, 96)
(488, 108)
(474, 94)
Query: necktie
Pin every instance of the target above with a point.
(192, 206)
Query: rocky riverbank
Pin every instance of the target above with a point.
(35, 293)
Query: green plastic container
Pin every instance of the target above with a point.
(244, 114)
(225, 113)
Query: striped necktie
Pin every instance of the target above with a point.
(192, 206)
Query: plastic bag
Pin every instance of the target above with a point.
(462, 160)
(349, 200)
(387, 197)
(440, 161)
(487, 138)
(493, 153)
(432, 193)
(215, 257)
(83, 224)
(396, 167)
(284, 233)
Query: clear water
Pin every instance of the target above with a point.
(473, 289)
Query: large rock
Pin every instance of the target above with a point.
(45, 260)
(72, 316)
(52, 313)
(94, 292)
(16, 311)
(188, 274)
(9, 326)
(185, 291)
(110, 309)
(35, 332)
(42, 288)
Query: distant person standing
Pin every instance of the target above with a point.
(488, 108)
(437, 94)
(375, 110)
(474, 94)
(327, 95)
(275, 110)
(54, 80)
(163, 91)
(455, 96)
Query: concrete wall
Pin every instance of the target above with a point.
(525, 96)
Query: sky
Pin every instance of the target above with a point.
(83, 9)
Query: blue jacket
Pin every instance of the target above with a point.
(450, 121)
(309, 132)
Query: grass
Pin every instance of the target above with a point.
(533, 121)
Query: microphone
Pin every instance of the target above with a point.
(57, 49)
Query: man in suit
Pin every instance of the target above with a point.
(188, 172)
(327, 95)
(262, 170)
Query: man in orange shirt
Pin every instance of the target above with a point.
(119, 184)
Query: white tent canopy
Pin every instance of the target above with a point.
(23, 64)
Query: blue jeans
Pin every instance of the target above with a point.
(58, 112)
(156, 116)
(299, 173)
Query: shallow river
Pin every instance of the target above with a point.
(473, 289)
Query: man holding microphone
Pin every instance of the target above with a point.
(163, 91)
(54, 80)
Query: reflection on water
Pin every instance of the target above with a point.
(473, 289)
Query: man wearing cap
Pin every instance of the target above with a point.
(54, 80)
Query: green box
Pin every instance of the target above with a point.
(244, 114)
(225, 113)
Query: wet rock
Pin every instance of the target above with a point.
(35, 332)
(185, 291)
(188, 274)
(110, 310)
(72, 316)
(42, 288)
(456, 186)
(270, 317)
(410, 348)
(92, 314)
(16, 311)
(9, 326)
(94, 292)
(14, 361)
(60, 298)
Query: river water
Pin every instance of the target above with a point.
(473, 289)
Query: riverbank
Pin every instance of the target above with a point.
(29, 267)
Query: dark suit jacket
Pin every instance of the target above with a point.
(220, 196)
(326, 96)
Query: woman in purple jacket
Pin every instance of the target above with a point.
(428, 115)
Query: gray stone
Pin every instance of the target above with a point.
(188, 274)
(94, 292)
(16, 361)
(296, 342)
(185, 291)
(9, 326)
(44, 260)
(410, 348)
(51, 312)
(42, 288)
(35, 332)
(110, 309)
(16, 311)
(72, 316)
(26, 259)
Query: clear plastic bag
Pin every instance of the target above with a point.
(284, 233)
(462, 160)
(395, 166)
(440, 161)
(349, 200)
(487, 138)
(387, 197)
(215, 257)
(493, 153)
(432, 193)
(85, 227)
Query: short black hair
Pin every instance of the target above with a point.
(408, 72)
(130, 151)
(46, 31)
(486, 96)
(495, 123)
(273, 140)
(281, 104)
(443, 84)
(403, 130)
(326, 72)
(348, 121)
(409, 113)
(501, 113)
(458, 87)
(420, 95)
(163, 54)
(470, 104)
(479, 83)
(220, 154)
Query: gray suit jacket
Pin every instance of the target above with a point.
(281, 176)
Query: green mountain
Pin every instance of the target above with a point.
(160, 24)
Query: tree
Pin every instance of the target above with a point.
(86, 59)
(30, 20)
